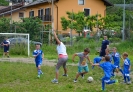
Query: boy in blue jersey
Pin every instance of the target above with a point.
(6, 44)
(116, 59)
(38, 55)
(107, 68)
(126, 68)
(108, 53)
(97, 60)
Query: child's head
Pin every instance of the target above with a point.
(114, 49)
(86, 51)
(107, 58)
(125, 55)
(37, 46)
(107, 51)
(103, 59)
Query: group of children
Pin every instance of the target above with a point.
(110, 64)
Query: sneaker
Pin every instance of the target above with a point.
(42, 73)
(38, 76)
(116, 81)
(82, 75)
(75, 80)
(129, 82)
(54, 81)
(65, 75)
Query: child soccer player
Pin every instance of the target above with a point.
(126, 68)
(97, 60)
(108, 53)
(82, 63)
(6, 44)
(116, 59)
(107, 68)
(38, 55)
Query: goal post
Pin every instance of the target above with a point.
(19, 35)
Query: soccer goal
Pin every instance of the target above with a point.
(19, 43)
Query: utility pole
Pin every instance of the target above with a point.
(11, 17)
(71, 30)
(123, 29)
(52, 17)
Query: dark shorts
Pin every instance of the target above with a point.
(6, 49)
(102, 53)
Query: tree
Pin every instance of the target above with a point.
(32, 26)
(4, 25)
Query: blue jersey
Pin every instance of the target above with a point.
(116, 58)
(97, 59)
(107, 68)
(110, 57)
(126, 65)
(104, 44)
(39, 55)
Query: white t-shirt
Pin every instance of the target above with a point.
(61, 49)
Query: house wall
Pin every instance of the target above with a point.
(95, 6)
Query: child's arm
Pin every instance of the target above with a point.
(122, 58)
(73, 56)
(89, 60)
(56, 38)
(42, 55)
(130, 68)
(96, 64)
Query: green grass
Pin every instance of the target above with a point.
(22, 77)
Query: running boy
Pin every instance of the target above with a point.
(97, 60)
(116, 59)
(107, 68)
(126, 68)
(38, 55)
(82, 63)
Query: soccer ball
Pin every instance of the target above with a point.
(90, 79)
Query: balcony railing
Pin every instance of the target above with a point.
(45, 18)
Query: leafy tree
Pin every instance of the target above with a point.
(4, 3)
(4, 25)
(32, 26)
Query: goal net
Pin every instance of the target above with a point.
(19, 43)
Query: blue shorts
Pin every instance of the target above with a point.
(6, 49)
(38, 63)
(80, 68)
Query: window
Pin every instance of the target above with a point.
(48, 11)
(21, 15)
(81, 2)
(48, 14)
(87, 11)
(41, 13)
(31, 14)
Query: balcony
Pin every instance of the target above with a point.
(45, 18)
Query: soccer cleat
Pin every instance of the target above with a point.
(54, 81)
(65, 75)
(82, 75)
(75, 80)
(129, 82)
(38, 76)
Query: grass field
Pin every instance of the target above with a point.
(22, 77)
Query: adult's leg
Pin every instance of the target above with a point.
(64, 65)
